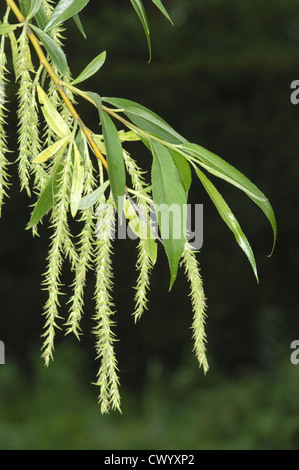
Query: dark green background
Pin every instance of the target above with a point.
(221, 77)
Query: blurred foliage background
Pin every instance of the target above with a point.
(221, 77)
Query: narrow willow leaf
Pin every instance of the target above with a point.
(183, 169)
(91, 69)
(50, 151)
(46, 199)
(115, 160)
(116, 167)
(54, 51)
(64, 10)
(77, 20)
(228, 218)
(139, 8)
(41, 17)
(170, 200)
(8, 28)
(52, 116)
(34, 7)
(146, 120)
(162, 8)
(25, 6)
(91, 199)
(220, 168)
(77, 182)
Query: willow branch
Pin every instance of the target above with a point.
(43, 61)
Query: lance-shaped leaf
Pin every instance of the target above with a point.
(92, 198)
(77, 20)
(25, 6)
(220, 168)
(114, 152)
(146, 120)
(77, 182)
(170, 205)
(91, 69)
(64, 10)
(115, 161)
(54, 50)
(228, 218)
(34, 7)
(183, 169)
(46, 154)
(46, 200)
(41, 17)
(52, 116)
(162, 8)
(139, 8)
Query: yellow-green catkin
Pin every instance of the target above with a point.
(85, 253)
(107, 378)
(3, 118)
(143, 264)
(27, 113)
(55, 258)
(198, 304)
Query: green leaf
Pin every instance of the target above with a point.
(64, 10)
(146, 120)
(8, 28)
(161, 7)
(220, 168)
(77, 182)
(91, 199)
(114, 152)
(46, 200)
(139, 8)
(183, 169)
(41, 17)
(228, 218)
(54, 50)
(52, 116)
(50, 151)
(115, 161)
(77, 20)
(24, 7)
(91, 69)
(34, 7)
(169, 195)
